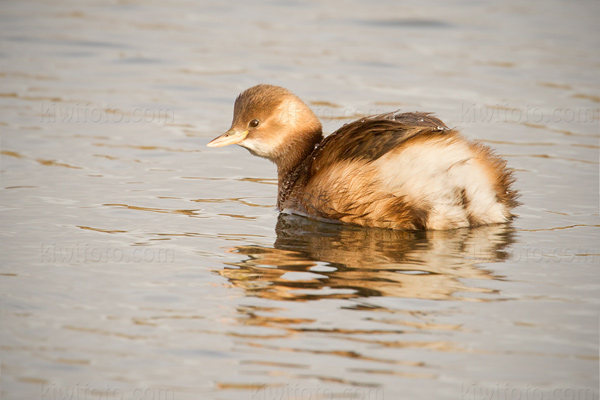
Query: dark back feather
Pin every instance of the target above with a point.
(368, 139)
(371, 137)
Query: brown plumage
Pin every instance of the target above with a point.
(395, 170)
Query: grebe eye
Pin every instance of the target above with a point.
(254, 123)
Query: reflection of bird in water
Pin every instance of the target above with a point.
(313, 260)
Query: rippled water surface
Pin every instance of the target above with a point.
(139, 264)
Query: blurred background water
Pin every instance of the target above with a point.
(139, 264)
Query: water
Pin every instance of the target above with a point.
(139, 264)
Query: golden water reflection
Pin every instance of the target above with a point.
(312, 260)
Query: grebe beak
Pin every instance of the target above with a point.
(230, 137)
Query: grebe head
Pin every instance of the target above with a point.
(271, 122)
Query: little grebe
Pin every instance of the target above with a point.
(396, 170)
